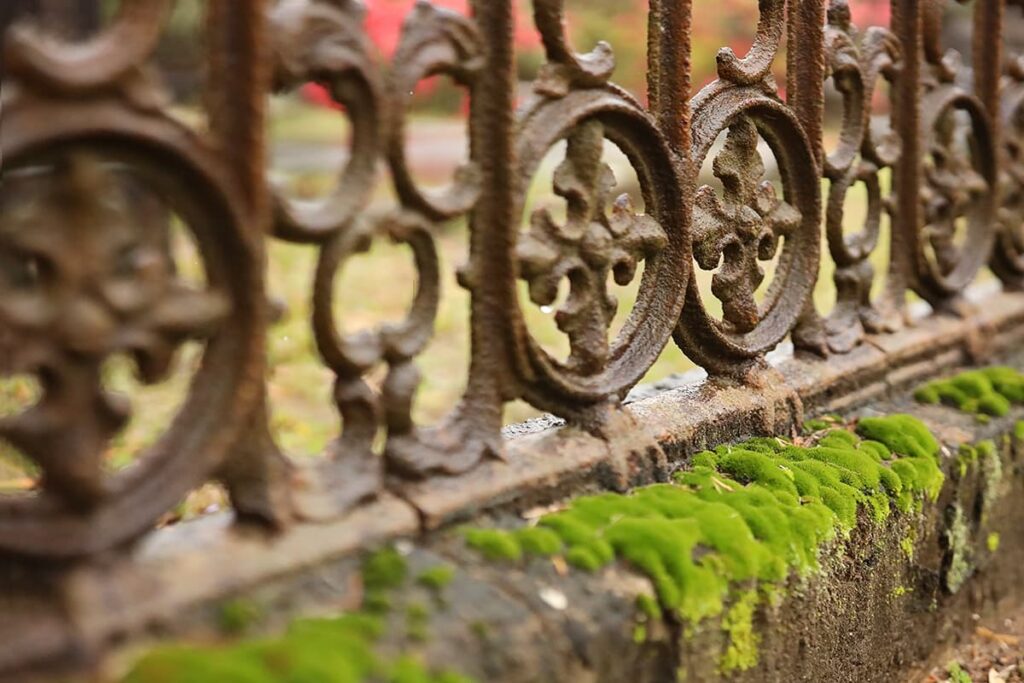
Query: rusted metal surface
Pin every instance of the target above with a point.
(94, 165)
(858, 62)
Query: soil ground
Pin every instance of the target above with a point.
(994, 653)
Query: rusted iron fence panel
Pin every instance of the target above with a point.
(89, 142)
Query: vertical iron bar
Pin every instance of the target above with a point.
(805, 68)
(493, 224)
(238, 81)
(907, 25)
(668, 64)
(805, 94)
(987, 57)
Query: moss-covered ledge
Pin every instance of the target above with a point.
(852, 554)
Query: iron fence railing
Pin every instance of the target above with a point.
(85, 272)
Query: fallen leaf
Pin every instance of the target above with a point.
(1004, 638)
(541, 511)
(721, 485)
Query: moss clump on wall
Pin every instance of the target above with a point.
(436, 578)
(989, 392)
(742, 652)
(494, 544)
(958, 543)
(384, 570)
(750, 514)
(908, 544)
(325, 650)
(985, 455)
(336, 650)
(992, 473)
(238, 616)
(539, 541)
(417, 620)
(648, 606)
(900, 591)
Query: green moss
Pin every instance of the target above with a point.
(989, 392)
(384, 570)
(480, 629)
(417, 619)
(878, 450)
(179, 664)
(640, 634)
(815, 425)
(992, 542)
(742, 651)
(339, 650)
(749, 515)
(821, 423)
(966, 458)
(1018, 430)
(436, 578)
(648, 606)
(376, 602)
(705, 459)
(584, 558)
(237, 616)
(539, 541)
(902, 434)
(839, 438)
(1007, 381)
(957, 674)
(494, 544)
(900, 591)
(410, 670)
(908, 544)
(992, 474)
(958, 545)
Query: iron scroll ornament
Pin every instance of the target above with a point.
(958, 186)
(81, 509)
(960, 178)
(857, 62)
(602, 236)
(1008, 256)
(324, 41)
(749, 224)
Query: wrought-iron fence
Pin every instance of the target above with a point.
(86, 273)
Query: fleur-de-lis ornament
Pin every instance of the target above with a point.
(740, 228)
(86, 273)
(593, 244)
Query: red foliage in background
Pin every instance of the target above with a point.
(870, 12)
(384, 21)
(622, 23)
